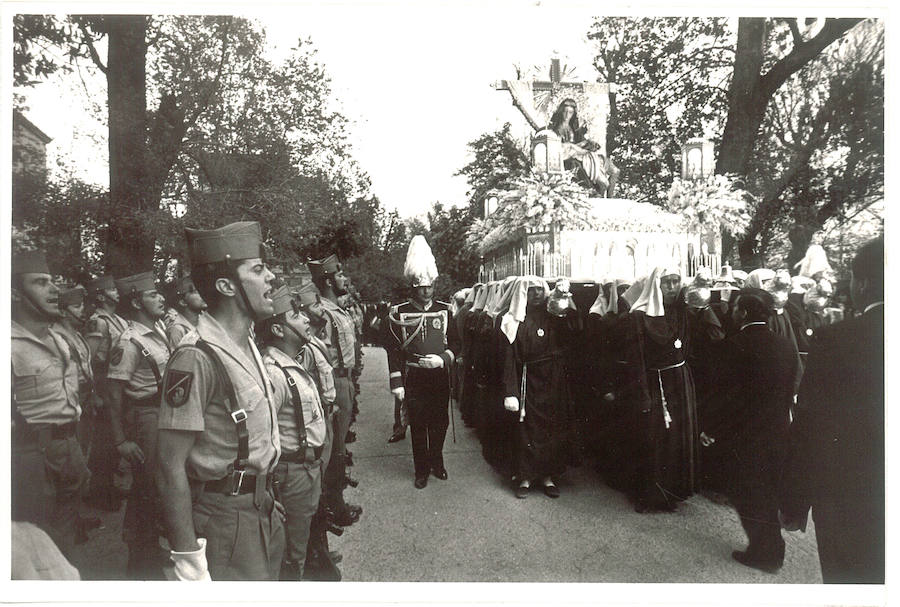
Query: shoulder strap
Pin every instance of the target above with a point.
(337, 337)
(151, 362)
(297, 403)
(239, 416)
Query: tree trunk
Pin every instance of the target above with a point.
(128, 248)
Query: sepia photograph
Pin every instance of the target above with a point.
(525, 301)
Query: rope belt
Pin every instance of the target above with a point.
(662, 393)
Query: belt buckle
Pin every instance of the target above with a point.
(239, 416)
(145, 352)
(237, 479)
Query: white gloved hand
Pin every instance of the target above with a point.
(511, 403)
(191, 566)
(431, 361)
(400, 392)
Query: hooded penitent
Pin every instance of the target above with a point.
(650, 301)
(815, 263)
(518, 303)
(420, 268)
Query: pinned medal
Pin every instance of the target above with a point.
(809, 331)
(540, 332)
(677, 344)
(436, 323)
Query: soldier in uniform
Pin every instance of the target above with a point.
(218, 429)
(338, 332)
(420, 359)
(69, 325)
(136, 363)
(49, 472)
(301, 426)
(188, 306)
(103, 328)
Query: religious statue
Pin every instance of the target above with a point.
(594, 168)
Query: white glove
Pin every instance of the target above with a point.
(400, 392)
(191, 566)
(511, 403)
(431, 361)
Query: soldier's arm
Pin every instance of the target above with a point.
(453, 342)
(394, 356)
(174, 488)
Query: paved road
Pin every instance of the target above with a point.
(471, 528)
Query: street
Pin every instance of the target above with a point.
(470, 528)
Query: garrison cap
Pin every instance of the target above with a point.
(235, 241)
(281, 300)
(29, 262)
(321, 267)
(71, 297)
(145, 281)
(101, 283)
(307, 295)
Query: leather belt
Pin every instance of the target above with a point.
(238, 483)
(42, 434)
(341, 372)
(147, 401)
(307, 456)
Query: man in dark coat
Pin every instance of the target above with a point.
(836, 464)
(746, 426)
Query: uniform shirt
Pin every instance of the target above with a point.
(127, 363)
(399, 359)
(44, 378)
(313, 413)
(202, 409)
(342, 346)
(81, 353)
(314, 359)
(107, 327)
(177, 329)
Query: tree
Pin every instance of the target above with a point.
(497, 161)
(457, 264)
(671, 74)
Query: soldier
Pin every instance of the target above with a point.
(136, 362)
(188, 306)
(338, 332)
(321, 564)
(103, 328)
(420, 359)
(49, 472)
(301, 426)
(218, 430)
(69, 325)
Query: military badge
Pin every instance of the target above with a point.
(678, 344)
(540, 332)
(436, 323)
(178, 386)
(115, 357)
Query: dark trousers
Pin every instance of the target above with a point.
(143, 515)
(104, 458)
(399, 426)
(427, 401)
(336, 468)
(753, 491)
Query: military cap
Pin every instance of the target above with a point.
(281, 300)
(183, 285)
(235, 241)
(321, 267)
(29, 262)
(101, 283)
(72, 296)
(145, 281)
(307, 295)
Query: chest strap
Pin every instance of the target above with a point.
(336, 337)
(297, 403)
(151, 362)
(239, 416)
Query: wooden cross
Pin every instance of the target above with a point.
(542, 85)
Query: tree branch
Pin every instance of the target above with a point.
(88, 41)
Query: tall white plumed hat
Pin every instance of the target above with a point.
(420, 269)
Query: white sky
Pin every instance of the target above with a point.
(413, 77)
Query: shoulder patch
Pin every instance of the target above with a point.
(115, 357)
(93, 325)
(178, 386)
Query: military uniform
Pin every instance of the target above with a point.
(137, 359)
(81, 354)
(176, 331)
(211, 388)
(49, 472)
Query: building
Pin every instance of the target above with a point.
(29, 154)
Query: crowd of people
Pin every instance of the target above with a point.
(672, 387)
(217, 406)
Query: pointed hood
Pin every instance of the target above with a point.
(518, 302)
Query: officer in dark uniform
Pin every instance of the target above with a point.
(420, 360)
(338, 332)
(136, 363)
(49, 472)
(103, 328)
(218, 428)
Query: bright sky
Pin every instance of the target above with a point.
(413, 77)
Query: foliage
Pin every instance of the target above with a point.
(670, 73)
(497, 161)
(717, 202)
(457, 264)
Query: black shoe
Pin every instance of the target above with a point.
(335, 556)
(355, 510)
(551, 490)
(421, 481)
(396, 437)
(351, 437)
(352, 482)
(768, 565)
(440, 473)
(522, 491)
(345, 517)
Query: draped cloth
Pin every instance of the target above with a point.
(518, 302)
(650, 301)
